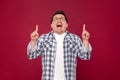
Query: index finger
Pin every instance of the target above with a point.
(83, 27)
(36, 28)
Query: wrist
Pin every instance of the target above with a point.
(86, 44)
(33, 43)
(85, 41)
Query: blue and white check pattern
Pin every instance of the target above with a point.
(46, 46)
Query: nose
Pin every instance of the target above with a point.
(59, 20)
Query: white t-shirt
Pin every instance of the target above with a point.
(59, 73)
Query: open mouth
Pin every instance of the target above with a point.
(59, 25)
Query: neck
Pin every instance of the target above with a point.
(59, 33)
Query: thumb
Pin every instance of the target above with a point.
(36, 28)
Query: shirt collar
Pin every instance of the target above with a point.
(67, 37)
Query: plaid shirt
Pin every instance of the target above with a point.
(46, 46)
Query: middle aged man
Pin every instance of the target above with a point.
(59, 49)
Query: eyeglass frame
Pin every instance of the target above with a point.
(61, 19)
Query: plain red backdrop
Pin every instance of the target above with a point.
(19, 17)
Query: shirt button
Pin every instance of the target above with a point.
(53, 59)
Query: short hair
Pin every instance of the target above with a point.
(59, 12)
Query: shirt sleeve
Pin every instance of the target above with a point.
(81, 50)
(32, 54)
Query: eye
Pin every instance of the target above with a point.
(55, 19)
(61, 18)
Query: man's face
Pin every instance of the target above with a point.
(59, 24)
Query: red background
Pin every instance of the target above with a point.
(18, 20)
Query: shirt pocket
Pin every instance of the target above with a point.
(47, 46)
(71, 45)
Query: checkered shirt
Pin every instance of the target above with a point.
(46, 46)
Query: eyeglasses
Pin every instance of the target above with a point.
(56, 19)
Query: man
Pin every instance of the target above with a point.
(59, 49)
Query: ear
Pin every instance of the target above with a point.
(66, 25)
(51, 25)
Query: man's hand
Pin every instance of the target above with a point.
(34, 36)
(85, 37)
(85, 34)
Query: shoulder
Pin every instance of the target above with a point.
(46, 36)
(73, 36)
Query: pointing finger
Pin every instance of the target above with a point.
(36, 28)
(83, 27)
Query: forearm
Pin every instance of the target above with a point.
(86, 45)
(33, 50)
(30, 50)
(33, 44)
(86, 53)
